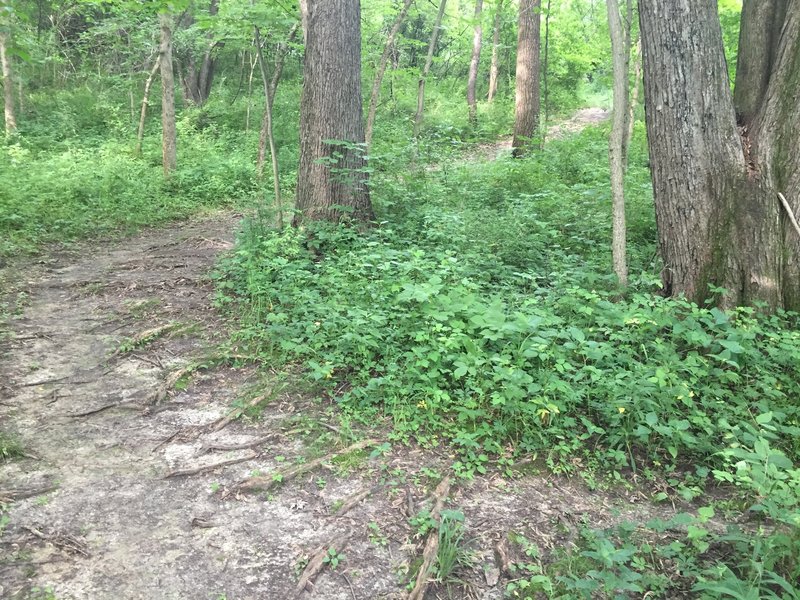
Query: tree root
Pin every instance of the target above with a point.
(317, 562)
(230, 447)
(15, 494)
(351, 502)
(432, 544)
(205, 468)
(267, 483)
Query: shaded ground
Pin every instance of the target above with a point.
(109, 379)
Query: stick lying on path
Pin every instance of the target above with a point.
(351, 502)
(317, 562)
(267, 483)
(432, 545)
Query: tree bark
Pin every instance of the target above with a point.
(759, 35)
(472, 80)
(145, 104)
(197, 81)
(634, 100)
(332, 178)
(494, 70)
(168, 130)
(8, 86)
(616, 142)
(263, 138)
(720, 222)
(270, 137)
(426, 69)
(379, 72)
(526, 123)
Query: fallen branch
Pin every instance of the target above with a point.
(205, 468)
(163, 390)
(223, 422)
(790, 212)
(317, 562)
(432, 545)
(281, 476)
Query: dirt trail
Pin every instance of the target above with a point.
(113, 527)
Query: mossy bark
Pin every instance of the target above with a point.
(715, 183)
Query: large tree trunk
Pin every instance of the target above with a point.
(526, 123)
(759, 35)
(720, 222)
(169, 135)
(620, 52)
(384, 61)
(8, 86)
(472, 80)
(197, 80)
(331, 179)
(426, 69)
(494, 70)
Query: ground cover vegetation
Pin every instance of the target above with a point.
(480, 310)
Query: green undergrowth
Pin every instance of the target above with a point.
(479, 314)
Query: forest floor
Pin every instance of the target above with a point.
(131, 485)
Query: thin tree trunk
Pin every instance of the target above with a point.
(168, 130)
(634, 100)
(545, 77)
(495, 68)
(253, 64)
(331, 177)
(616, 143)
(268, 118)
(472, 80)
(526, 123)
(280, 57)
(426, 69)
(145, 104)
(8, 86)
(197, 82)
(376, 83)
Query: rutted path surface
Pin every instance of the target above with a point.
(91, 513)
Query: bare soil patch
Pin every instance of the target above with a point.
(132, 489)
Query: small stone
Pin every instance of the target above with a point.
(492, 576)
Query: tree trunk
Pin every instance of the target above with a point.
(720, 222)
(266, 126)
(168, 131)
(332, 178)
(634, 100)
(472, 81)
(268, 118)
(197, 81)
(494, 70)
(145, 104)
(616, 142)
(545, 76)
(384, 61)
(759, 35)
(426, 69)
(526, 123)
(8, 86)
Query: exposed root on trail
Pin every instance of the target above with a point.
(243, 446)
(318, 561)
(16, 494)
(353, 501)
(267, 483)
(206, 468)
(432, 545)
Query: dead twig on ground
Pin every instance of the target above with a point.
(62, 541)
(104, 407)
(317, 562)
(206, 468)
(268, 482)
(432, 545)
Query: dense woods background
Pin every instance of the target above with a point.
(438, 255)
